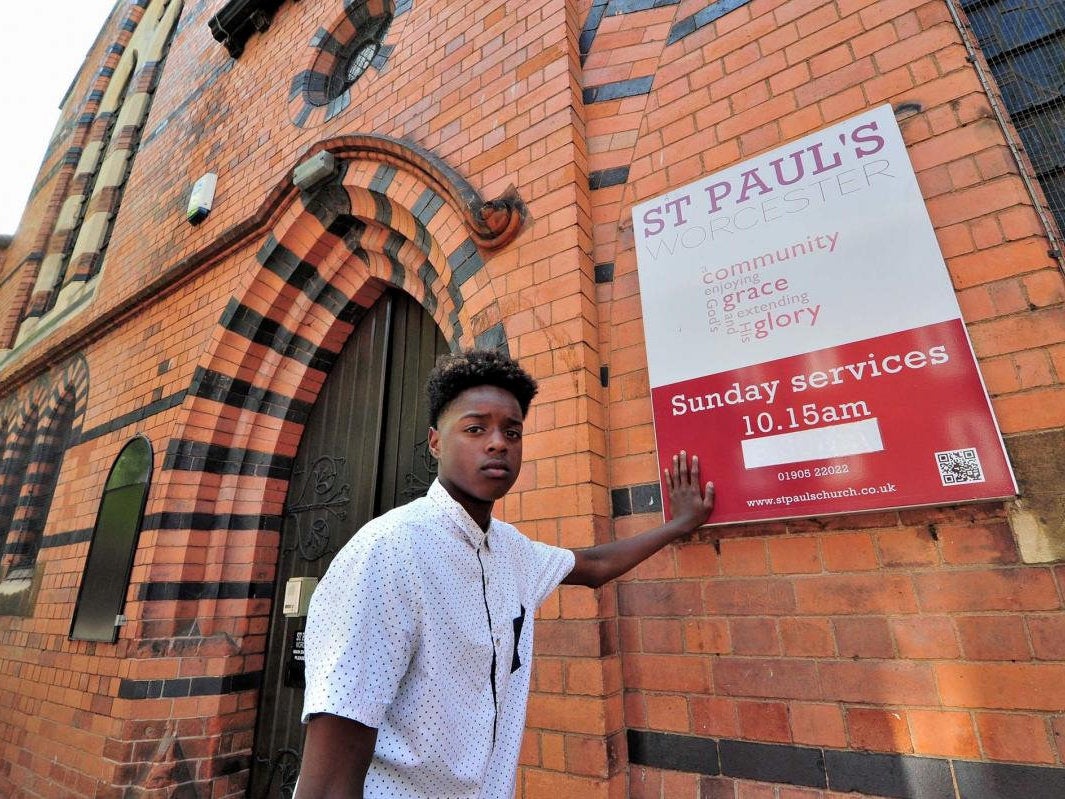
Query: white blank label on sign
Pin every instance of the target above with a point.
(851, 438)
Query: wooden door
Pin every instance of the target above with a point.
(363, 452)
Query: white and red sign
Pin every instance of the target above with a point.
(803, 335)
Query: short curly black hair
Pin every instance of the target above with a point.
(453, 374)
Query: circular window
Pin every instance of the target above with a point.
(340, 57)
(349, 68)
(360, 61)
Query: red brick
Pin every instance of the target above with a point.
(993, 638)
(865, 593)
(594, 677)
(986, 230)
(562, 713)
(659, 598)
(807, 637)
(754, 636)
(1057, 358)
(849, 552)
(662, 635)
(1034, 369)
(943, 733)
(985, 266)
(569, 638)
(912, 546)
(753, 790)
(972, 544)
(863, 637)
(743, 557)
(955, 240)
(636, 709)
(707, 636)
(764, 721)
(1044, 288)
(1002, 589)
(696, 559)
(890, 682)
(776, 678)
(1034, 410)
(1000, 375)
(1019, 223)
(644, 783)
(590, 756)
(878, 730)
(714, 716)
(754, 597)
(799, 793)
(1007, 296)
(836, 82)
(668, 712)
(1002, 686)
(794, 555)
(817, 724)
(976, 305)
(666, 673)
(925, 637)
(936, 181)
(1057, 726)
(682, 786)
(1037, 328)
(1048, 636)
(1015, 737)
(717, 788)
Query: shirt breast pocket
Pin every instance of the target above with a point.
(519, 623)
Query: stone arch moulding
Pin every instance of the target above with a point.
(492, 224)
(392, 214)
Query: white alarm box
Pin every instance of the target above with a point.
(298, 592)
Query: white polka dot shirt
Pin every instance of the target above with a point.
(423, 628)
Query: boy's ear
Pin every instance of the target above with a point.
(434, 442)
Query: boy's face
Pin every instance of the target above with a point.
(477, 441)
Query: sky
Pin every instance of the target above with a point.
(42, 45)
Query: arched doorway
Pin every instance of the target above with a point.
(362, 453)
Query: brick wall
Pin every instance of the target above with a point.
(922, 634)
(878, 653)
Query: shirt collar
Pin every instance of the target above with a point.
(465, 527)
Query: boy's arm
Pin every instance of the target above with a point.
(690, 506)
(336, 757)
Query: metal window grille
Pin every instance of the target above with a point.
(1024, 44)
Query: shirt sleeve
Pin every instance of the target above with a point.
(361, 629)
(546, 567)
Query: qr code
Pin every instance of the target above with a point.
(959, 466)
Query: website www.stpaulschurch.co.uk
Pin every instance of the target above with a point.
(821, 495)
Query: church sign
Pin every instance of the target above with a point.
(804, 338)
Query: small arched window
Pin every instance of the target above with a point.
(13, 466)
(39, 483)
(114, 542)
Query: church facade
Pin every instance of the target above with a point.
(257, 225)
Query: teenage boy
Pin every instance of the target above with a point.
(419, 638)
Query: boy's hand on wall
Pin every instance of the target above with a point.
(690, 502)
